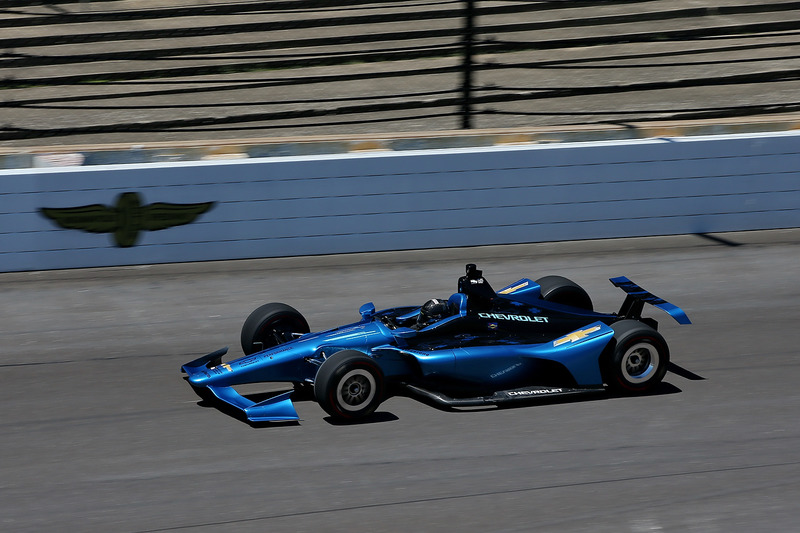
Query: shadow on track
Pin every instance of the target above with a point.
(302, 395)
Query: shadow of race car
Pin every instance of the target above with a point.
(531, 339)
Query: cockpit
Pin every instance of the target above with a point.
(474, 295)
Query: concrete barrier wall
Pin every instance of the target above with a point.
(288, 206)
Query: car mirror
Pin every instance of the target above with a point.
(367, 310)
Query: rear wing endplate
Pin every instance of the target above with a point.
(636, 297)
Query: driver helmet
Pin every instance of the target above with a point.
(432, 311)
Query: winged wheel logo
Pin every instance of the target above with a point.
(127, 218)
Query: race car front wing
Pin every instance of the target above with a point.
(276, 409)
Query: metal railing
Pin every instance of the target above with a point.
(115, 68)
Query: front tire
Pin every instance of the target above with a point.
(349, 385)
(270, 325)
(639, 360)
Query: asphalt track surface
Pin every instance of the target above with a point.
(100, 433)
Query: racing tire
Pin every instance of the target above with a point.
(560, 290)
(349, 385)
(639, 359)
(270, 325)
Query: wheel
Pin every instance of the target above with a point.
(639, 360)
(349, 385)
(560, 290)
(270, 325)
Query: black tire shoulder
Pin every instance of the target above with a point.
(270, 325)
(638, 358)
(564, 291)
(349, 385)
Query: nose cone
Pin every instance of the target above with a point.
(227, 374)
(200, 378)
(214, 375)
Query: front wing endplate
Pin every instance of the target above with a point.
(276, 409)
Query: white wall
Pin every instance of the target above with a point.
(276, 207)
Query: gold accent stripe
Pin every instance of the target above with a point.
(514, 288)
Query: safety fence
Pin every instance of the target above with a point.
(102, 70)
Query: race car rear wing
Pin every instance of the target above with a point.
(636, 297)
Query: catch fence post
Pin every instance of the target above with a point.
(466, 86)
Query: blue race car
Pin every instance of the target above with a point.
(531, 339)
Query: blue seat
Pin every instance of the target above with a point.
(458, 302)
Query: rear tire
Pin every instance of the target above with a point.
(349, 385)
(560, 290)
(639, 360)
(270, 325)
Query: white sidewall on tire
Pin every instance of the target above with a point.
(349, 378)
